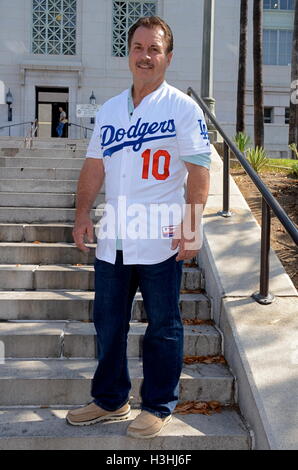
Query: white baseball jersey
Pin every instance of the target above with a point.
(144, 173)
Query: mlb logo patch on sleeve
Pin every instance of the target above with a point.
(168, 231)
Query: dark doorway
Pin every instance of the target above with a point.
(48, 101)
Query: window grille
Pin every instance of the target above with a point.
(125, 14)
(54, 27)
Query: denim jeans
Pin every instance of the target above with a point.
(115, 287)
(59, 129)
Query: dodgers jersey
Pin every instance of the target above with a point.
(144, 172)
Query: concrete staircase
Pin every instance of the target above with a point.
(49, 339)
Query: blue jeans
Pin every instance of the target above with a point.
(59, 129)
(115, 287)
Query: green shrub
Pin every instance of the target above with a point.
(295, 170)
(257, 158)
(294, 149)
(242, 141)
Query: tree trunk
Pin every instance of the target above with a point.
(240, 123)
(293, 124)
(258, 72)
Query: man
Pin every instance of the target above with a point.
(145, 142)
(62, 121)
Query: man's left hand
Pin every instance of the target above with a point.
(183, 252)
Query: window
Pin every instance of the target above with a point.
(279, 4)
(287, 115)
(268, 115)
(125, 14)
(277, 46)
(54, 27)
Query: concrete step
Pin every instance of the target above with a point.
(48, 233)
(68, 381)
(46, 429)
(31, 277)
(40, 173)
(45, 186)
(33, 162)
(42, 199)
(50, 143)
(32, 186)
(45, 253)
(78, 340)
(41, 153)
(78, 305)
(41, 215)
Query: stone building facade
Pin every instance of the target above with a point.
(56, 52)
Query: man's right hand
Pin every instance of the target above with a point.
(83, 228)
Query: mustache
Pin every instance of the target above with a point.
(145, 63)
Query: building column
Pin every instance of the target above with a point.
(207, 57)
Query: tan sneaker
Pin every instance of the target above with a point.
(92, 414)
(147, 425)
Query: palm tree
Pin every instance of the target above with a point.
(258, 72)
(293, 124)
(240, 123)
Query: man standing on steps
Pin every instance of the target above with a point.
(145, 142)
(62, 122)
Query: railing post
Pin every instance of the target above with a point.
(226, 183)
(264, 297)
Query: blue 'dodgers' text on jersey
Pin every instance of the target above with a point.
(138, 131)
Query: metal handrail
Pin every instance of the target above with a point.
(18, 124)
(82, 127)
(268, 203)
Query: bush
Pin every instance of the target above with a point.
(295, 170)
(242, 141)
(294, 149)
(257, 158)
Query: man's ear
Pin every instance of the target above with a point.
(169, 57)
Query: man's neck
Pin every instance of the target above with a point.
(139, 91)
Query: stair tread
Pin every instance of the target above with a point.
(46, 267)
(39, 369)
(68, 266)
(38, 208)
(25, 180)
(62, 294)
(43, 244)
(53, 327)
(224, 430)
(34, 224)
(29, 193)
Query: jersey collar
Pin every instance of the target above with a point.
(130, 100)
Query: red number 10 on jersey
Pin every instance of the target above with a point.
(155, 165)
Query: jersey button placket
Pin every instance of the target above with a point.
(123, 172)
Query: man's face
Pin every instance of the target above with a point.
(148, 59)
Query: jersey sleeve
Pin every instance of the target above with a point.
(94, 149)
(191, 129)
(201, 159)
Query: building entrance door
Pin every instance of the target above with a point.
(44, 120)
(48, 101)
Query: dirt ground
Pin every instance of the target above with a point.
(285, 189)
